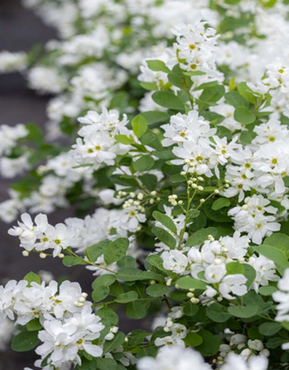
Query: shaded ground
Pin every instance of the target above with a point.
(20, 29)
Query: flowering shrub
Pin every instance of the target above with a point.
(186, 164)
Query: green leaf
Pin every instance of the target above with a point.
(190, 309)
(194, 73)
(157, 66)
(246, 92)
(96, 250)
(129, 274)
(108, 314)
(143, 163)
(246, 137)
(100, 293)
(274, 254)
(270, 328)
(278, 240)
(187, 282)
(35, 134)
(155, 116)
(126, 261)
(243, 312)
(127, 297)
(106, 280)
(177, 178)
(111, 345)
(154, 260)
(149, 86)
(166, 221)
(123, 139)
(164, 237)
(139, 125)
(176, 80)
(217, 312)
(193, 340)
(157, 290)
(210, 345)
(168, 100)
(106, 364)
(235, 99)
(276, 342)
(243, 115)
(116, 250)
(267, 290)
(69, 261)
(149, 181)
(220, 203)
(206, 85)
(217, 216)
(34, 325)
(250, 274)
(31, 277)
(235, 268)
(254, 299)
(133, 274)
(147, 351)
(136, 337)
(212, 94)
(25, 341)
(200, 236)
(87, 364)
(136, 310)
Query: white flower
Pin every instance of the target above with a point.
(282, 297)
(9, 136)
(131, 218)
(172, 358)
(175, 261)
(255, 345)
(238, 363)
(235, 284)
(46, 80)
(265, 271)
(215, 273)
(10, 62)
(27, 231)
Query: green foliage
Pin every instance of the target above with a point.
(139, 125)
(25, 341)
(164, 237)
(32, 277)
(243, 115)
(200, 236)
(168, 100)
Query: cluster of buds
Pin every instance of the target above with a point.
(42, 255)
(138, 199)
(111, 333)
(81, 301)
(173, 199)
(239, 342)
(192, 297)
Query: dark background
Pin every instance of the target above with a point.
(20, 30)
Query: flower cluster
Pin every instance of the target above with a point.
(63, 312)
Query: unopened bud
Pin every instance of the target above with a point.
(42, 255)
(194, 300)
(25, 253)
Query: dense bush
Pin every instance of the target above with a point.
(178, 172)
